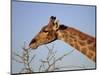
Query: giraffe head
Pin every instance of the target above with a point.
(46, 35)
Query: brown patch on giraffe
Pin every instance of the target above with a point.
(94, 44)
(65, 36)
(90, 54)
(72, 31)
(89, 41)
(75, 32)
(91, 48)
(70, 40)
(72, 37)
(81, 36)
(82, 43)
(72, 44)
(76, 46)
(75, 40)
(84, 50)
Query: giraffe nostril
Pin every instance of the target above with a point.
(34, 40)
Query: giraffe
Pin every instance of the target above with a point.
(82, 42)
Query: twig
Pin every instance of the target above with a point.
(15, 54)
(16, 60)
(32, 58)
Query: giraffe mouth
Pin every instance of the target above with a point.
(32, 46)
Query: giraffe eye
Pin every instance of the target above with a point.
(45, 31)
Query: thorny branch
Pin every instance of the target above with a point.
(25, 60)
(51, 59)
(47, 64)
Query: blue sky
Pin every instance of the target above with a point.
(28, 18)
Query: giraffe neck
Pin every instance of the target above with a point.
(79, 40)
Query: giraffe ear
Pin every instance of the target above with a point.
(56, 25)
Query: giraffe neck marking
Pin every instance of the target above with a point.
(79, 40)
